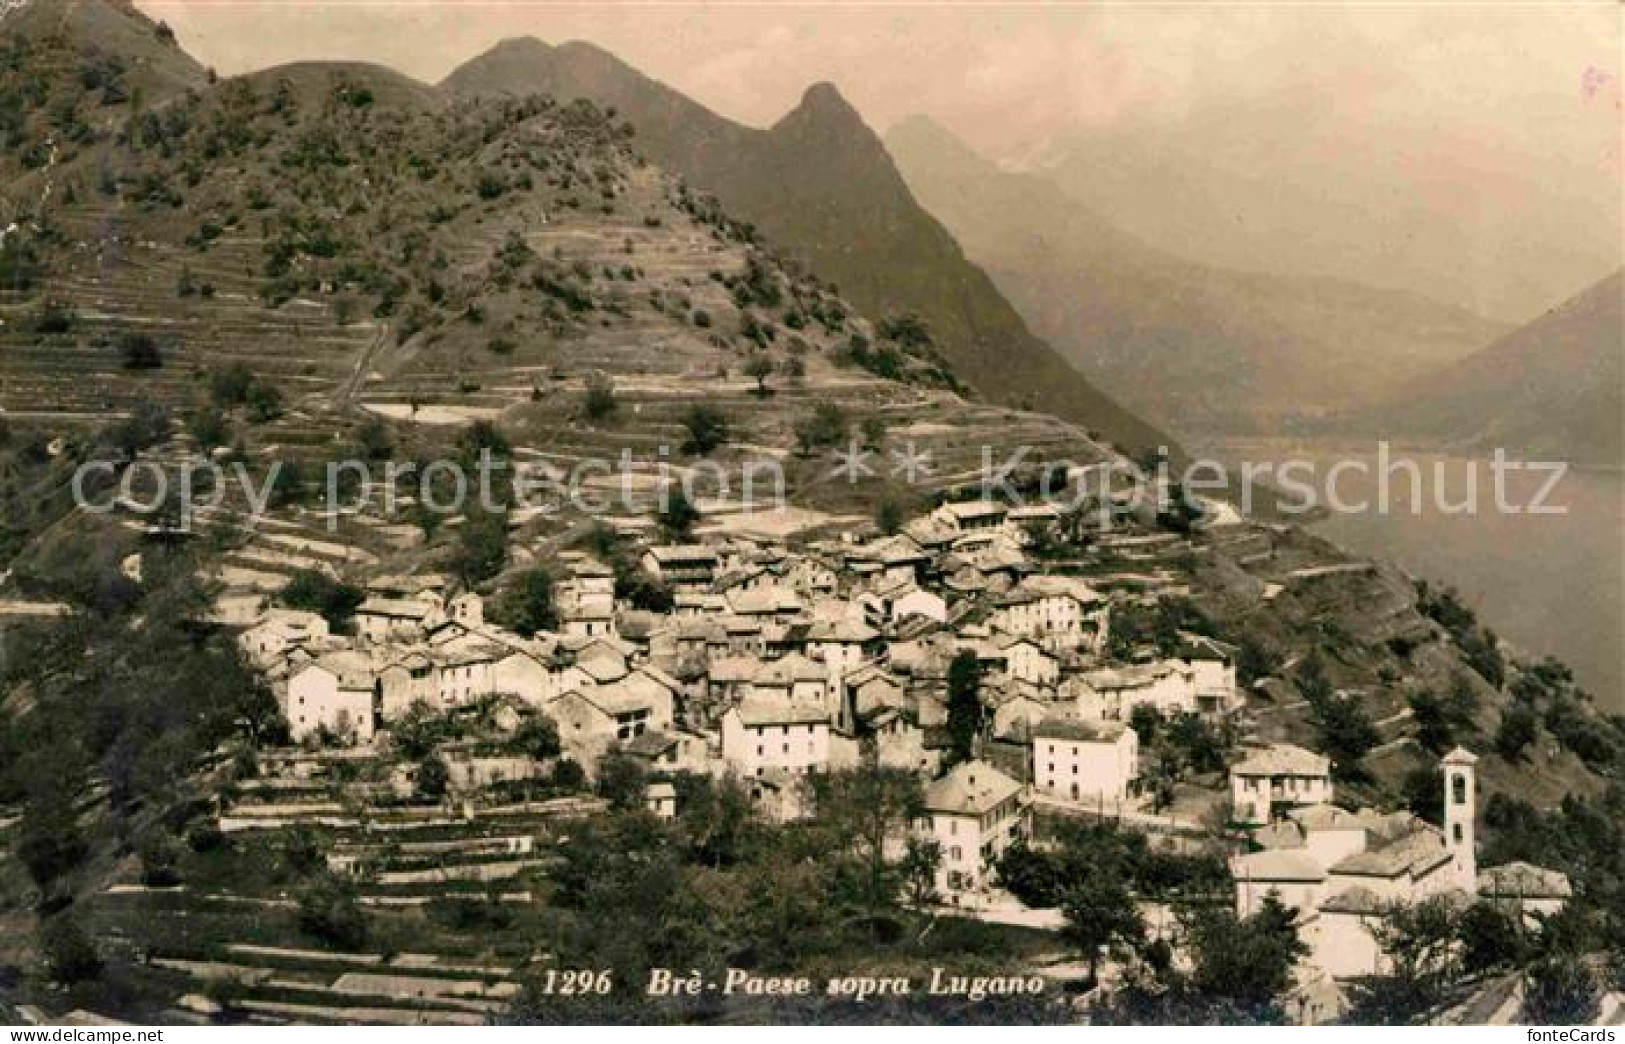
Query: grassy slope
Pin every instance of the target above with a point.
(820, 184)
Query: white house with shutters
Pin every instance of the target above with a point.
(974, 813)
(1084, 761)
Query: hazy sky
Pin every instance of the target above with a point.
(1530, 91)
(1005, 75)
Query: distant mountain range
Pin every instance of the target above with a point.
(1551, 389)
(1290, 185)
(1202, 348)
(820, 184)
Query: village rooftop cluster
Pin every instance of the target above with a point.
(775, 664)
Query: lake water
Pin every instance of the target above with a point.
(1550, 583)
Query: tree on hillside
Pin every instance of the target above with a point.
(1419, 941)
(642, 589)
(432, 778)
(1344, 732)
(598, 400)
(314, 591)
(1245, 961)
(1200, 745)
(160, 854)
(624, 876)
(329, 913)
(481, 438)
(1437, 718)
(825, 426)
(964, 705)
(874, 432)
(1520, 726)
(264, 402)
(1423, 790)
(1491, 937)
(862, 808)
(621, 781)
(49, 842)
(416, 733)
(210, 428)
(146, 426)
(679, 516)
(891, 514)
(707, 429)
(1101, 918)
(527, 604)
(482, 547)
(1311, 680)
(1560, 990)
(1146, 721)
(374, 441)
(759, 367)
(921, 859)
(19, 264)
(139, 351)
(1237, 972)
(286, 482)
(229, 387)
(1162, 774)
(1042, 538)
(537, 738)
(70, 955)
(718, 819)
(907, 329)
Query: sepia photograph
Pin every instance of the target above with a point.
(811, 513)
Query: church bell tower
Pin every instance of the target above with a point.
(1460, 807)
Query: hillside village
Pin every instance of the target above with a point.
(359, 762)
(775, 664)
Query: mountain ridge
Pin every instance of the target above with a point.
(820, 184)
(1277, 185)
(1208, 349)
(1554, 386)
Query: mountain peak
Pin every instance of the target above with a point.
(823, 102)
(823, 115)
(153, 56)
(522, 46)
(820, 185)
(585, 49)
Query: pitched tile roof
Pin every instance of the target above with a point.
(1283, 759)
(971, 788)
(1523, 881)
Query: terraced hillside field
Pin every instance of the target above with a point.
(367, 247)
